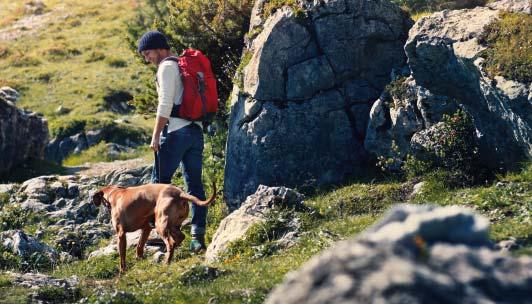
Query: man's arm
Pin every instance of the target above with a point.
(157, 129)
(167, 76)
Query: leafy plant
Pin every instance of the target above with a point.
(14, 217)
(453, 148)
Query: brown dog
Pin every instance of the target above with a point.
(132, 209)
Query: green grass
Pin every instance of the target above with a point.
(99, 153)
(30, 169)
(340, 213)
(509, 51)
(74, 61)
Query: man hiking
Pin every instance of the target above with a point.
(175, 140)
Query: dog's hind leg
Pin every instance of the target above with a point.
(142, 241)
(122, 250)
(170, 245)
(178, 236)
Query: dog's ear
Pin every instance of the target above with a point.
(97, 198)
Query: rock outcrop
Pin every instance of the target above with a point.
(252, 211)
(444, 53)
(416, 254)
(24, 246)
(60, 148)
(300, 114)
(395, 119)
(65, 200)
(23, 134)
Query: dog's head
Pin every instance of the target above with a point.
(97, 198)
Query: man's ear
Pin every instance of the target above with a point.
(97, 198)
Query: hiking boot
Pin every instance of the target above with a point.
(197, 244)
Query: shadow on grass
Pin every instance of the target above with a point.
(31, 169)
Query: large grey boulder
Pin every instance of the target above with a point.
(444, 55)
(301, 113)
(253, 211)
(416, 254)
(23, 135)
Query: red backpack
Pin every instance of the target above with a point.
(200, 98)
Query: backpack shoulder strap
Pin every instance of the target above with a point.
(171, 58)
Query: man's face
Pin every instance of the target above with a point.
(152, 56)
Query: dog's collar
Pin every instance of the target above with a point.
(106, 201)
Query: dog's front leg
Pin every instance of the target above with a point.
(122, 250)
(142, 241)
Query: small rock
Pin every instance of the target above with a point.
(9, 94)
(418, 188)
(158, 257)
(507, 245)
(62, 110)
(7, 188)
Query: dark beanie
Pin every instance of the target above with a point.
(153, 40)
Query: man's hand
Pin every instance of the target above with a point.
(154, 145)
(159, 125)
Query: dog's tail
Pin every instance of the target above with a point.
(197, 201)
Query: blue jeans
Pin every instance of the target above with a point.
(183, 146)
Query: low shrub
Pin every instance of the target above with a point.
(454, 149)
(116, 62)
(56, 294)
(95, 56)
(200, 273)
(14, 217)
(66, 126)
(60, 52)
(4, 51)
(9, 260)
(21, 60)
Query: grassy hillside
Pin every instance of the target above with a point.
(78, 59)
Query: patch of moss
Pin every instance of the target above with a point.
(239, 75)
(509, 47)
(259, 239)
(248, 36)
(270, 7)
